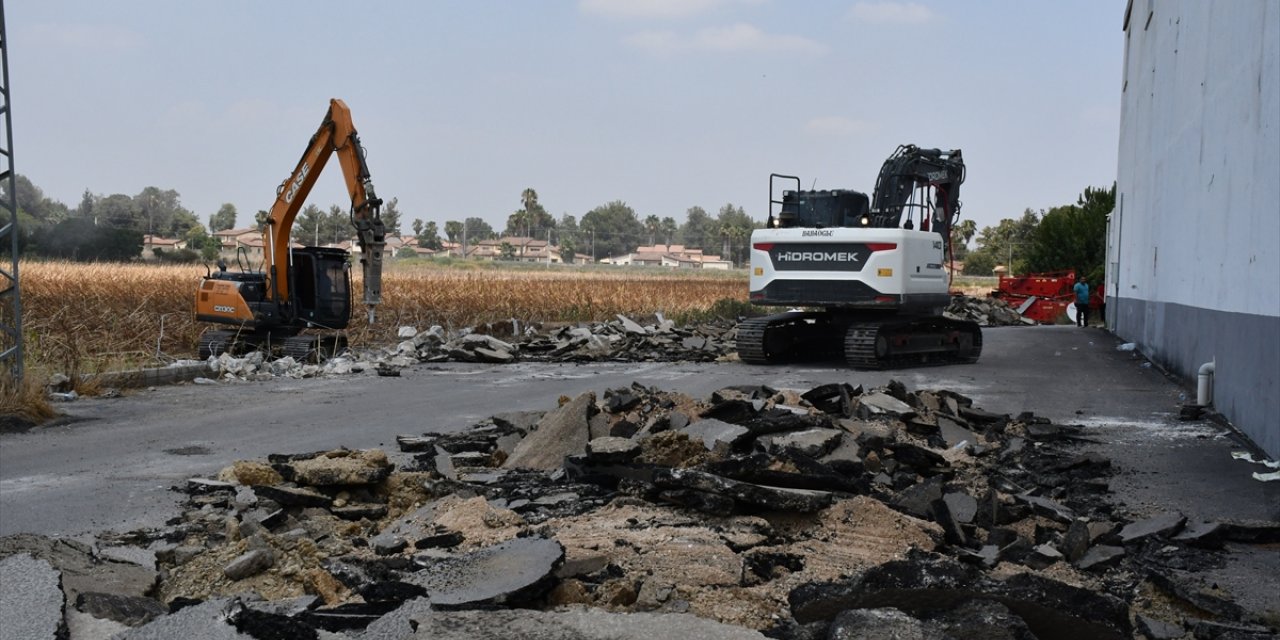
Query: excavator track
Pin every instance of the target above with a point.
(881, 344)
(860, 346)
(215, 343)
(753, 334)
(750, 340)
(311, 348)
(922, 342)
(784, 337)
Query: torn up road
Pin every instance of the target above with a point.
(796, 509)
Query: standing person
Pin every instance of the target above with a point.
(1098, 301)
(1082, 302)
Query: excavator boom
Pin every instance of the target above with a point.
(336, 136)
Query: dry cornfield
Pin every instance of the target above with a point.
(85, 318)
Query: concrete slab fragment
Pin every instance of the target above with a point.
(1099, 557)
(810, 442)
(130, 611)
(963, 506)
(575, 623)
(249, 564)
(31, 593)
(745, 493)
(1163, 525)
(368, 466)
(560, 433)
(293, 496)
(877, 624)
(879, 403)
(207, 621)
(710, 431)
(631, 326)
(503, 574)
(610, 449)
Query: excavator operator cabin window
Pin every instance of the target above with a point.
(304, 281)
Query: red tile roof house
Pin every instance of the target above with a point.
(672, 256)
(150, 243)
(527, 249)
(228, 240)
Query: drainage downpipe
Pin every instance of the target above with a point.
(1204, 384)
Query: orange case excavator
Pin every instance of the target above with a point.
(299, 288)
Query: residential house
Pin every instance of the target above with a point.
(674, 256)
(533, 250)
(229, 239)
(251, 246)
(526, 249)
(152, 243)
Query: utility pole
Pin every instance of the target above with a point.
(10, 292)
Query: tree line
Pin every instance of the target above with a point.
(1070, 236)
(610, 229)
(111, 227)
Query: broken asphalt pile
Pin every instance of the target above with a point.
(987, 312)
(834, 513)
(620, 340)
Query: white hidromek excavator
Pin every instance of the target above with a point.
(870, 271)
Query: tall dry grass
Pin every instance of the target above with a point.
(23, 402)
(85, 318)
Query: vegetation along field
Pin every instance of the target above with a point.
(89, 317)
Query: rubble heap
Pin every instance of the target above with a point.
(839, 512)
(620, 340)
(987, 312)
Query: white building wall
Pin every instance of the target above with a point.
(1195, 273)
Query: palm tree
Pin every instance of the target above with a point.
(669, 228)
(960, 236)
(652, 224)
(528, 198)
(736, 234)
(518, 222)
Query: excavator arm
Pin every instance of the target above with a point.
(336, 135)
(911, 168)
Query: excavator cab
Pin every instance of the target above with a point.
(321, 287)
(817, 209)
(823, 209)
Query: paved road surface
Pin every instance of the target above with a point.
(110, 466)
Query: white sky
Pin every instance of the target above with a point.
(663, 104)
